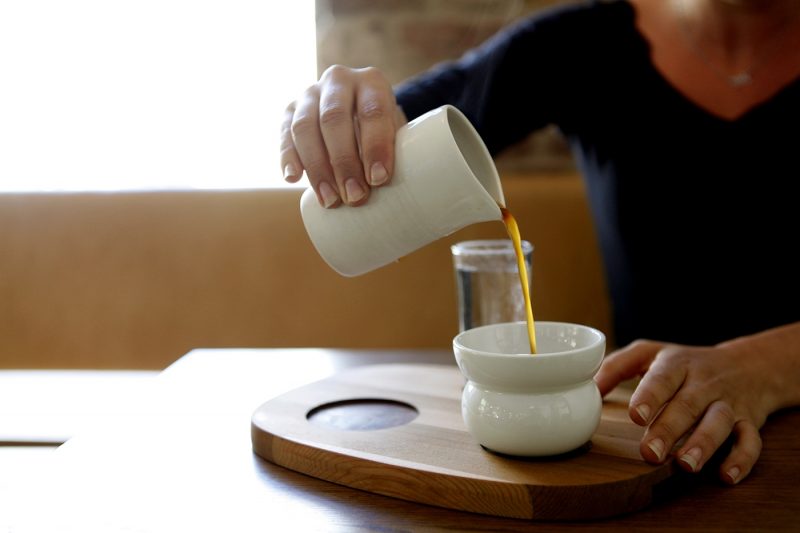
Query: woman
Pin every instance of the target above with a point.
(674, 111)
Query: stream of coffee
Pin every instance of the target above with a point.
(513, 232)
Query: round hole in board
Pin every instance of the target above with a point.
(362, 414)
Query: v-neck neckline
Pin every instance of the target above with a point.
(689, 103)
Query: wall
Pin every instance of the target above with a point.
(135, 280)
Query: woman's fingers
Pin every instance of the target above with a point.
(743, 455)
(711, 432)
(660, 383)
(626, 363)
(310, 147)
(290, 161)
(715, 427)
(336, 116)
(375, 115)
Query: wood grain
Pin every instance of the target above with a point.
(434, 460)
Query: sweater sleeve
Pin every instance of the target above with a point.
(507, 87)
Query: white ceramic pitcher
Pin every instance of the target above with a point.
(444, 180)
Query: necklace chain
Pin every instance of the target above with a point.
(743, 77)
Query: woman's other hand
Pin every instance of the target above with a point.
(694, 398)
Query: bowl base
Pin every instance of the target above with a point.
(580, 450)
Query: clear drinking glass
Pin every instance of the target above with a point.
(487, 280)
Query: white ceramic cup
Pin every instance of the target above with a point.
(530, 405)
(444, 179)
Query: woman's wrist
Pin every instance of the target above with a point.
(775, 354)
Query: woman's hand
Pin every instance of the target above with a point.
(341, 132)
(705, 394)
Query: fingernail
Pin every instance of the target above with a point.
(378, 174)
(734, 474)
(657, 447)
(354, 190)
(329, 197)
(692, 458)
(289, 172)
(644, 411)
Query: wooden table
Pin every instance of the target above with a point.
(182, 461)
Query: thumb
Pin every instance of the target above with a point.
(628, 362)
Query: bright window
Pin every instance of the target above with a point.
(148, 94)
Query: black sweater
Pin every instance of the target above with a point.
(697, 216)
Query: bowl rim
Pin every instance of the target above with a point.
(599, 340)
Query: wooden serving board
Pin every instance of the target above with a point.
(327, 430)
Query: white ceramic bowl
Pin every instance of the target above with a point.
(530, 405)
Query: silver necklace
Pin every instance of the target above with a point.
(739, 79)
